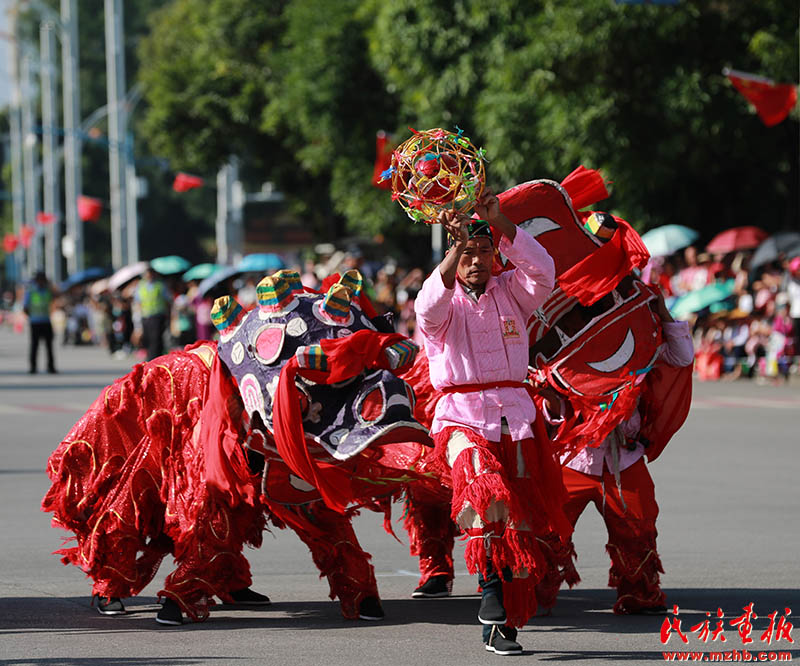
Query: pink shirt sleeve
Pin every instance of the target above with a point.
(679, 349)
(534, 277)
(433, 306)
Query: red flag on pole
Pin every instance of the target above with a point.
(772, 101)
(45, 218)
(10, 243)
(383, 160)
(89, 208)
(184, 182)
(26, 234)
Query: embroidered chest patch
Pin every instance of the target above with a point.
(510, 328)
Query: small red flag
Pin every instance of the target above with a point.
(89, 208)
(184, 182)
(10, 243)
(383, 160)
(772, 101)
(45, 218)
(26, 234)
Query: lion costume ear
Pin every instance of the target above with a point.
(275, 292)
(293, 277)
(227, 313)
(336, 304)
(353, 280)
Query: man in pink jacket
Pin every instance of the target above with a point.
(506, 489)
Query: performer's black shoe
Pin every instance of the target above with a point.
(170, 613)
(503, 641)
(370, 609)
(435, 586)
(109, 605)
(248, 597)
(491, 610)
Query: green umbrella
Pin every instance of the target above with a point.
(169, 265)
(670, 238)
(704, 297)
(201, 271)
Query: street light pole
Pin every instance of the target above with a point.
(115, 85)
(52, 194)
(15, 129)
(29, 145)
(72, 141)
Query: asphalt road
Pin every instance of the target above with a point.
(729, 535)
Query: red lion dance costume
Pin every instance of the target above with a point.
(191, 453)
(599, 343)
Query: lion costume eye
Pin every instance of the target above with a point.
(537, 226)
(619, 358)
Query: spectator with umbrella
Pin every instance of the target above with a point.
(793, 294)
(776, 247)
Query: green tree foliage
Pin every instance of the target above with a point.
(326, 102)
(634, 90)
(203, 70)
(298, 88)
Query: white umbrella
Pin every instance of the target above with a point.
(126, 274)
(99, 287)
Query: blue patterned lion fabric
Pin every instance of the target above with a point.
(371, 408)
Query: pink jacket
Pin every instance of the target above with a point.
(484, 342)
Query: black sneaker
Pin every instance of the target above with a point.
(435, 586)
(246, 596)
(170, 614)
(370, 609)
(110, 606)
(503, 641)
(491, 610)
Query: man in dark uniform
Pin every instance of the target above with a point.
(37, 304)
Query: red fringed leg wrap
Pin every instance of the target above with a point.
(505, 494)
(431, 532)
(561, 569)
(519, 600)
(209, 558)
(335, 550)
(635, 564)
(635, 569)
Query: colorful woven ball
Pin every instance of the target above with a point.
(436, 170)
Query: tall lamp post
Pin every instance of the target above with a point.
(117, 121)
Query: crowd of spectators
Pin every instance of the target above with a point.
(752, 333)
(91, 314)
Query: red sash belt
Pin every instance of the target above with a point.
(469, 388)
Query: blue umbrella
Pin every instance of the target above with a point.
(702, 298)
(215, 279)
(670, 238)
(260, 263)
(84, 276)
